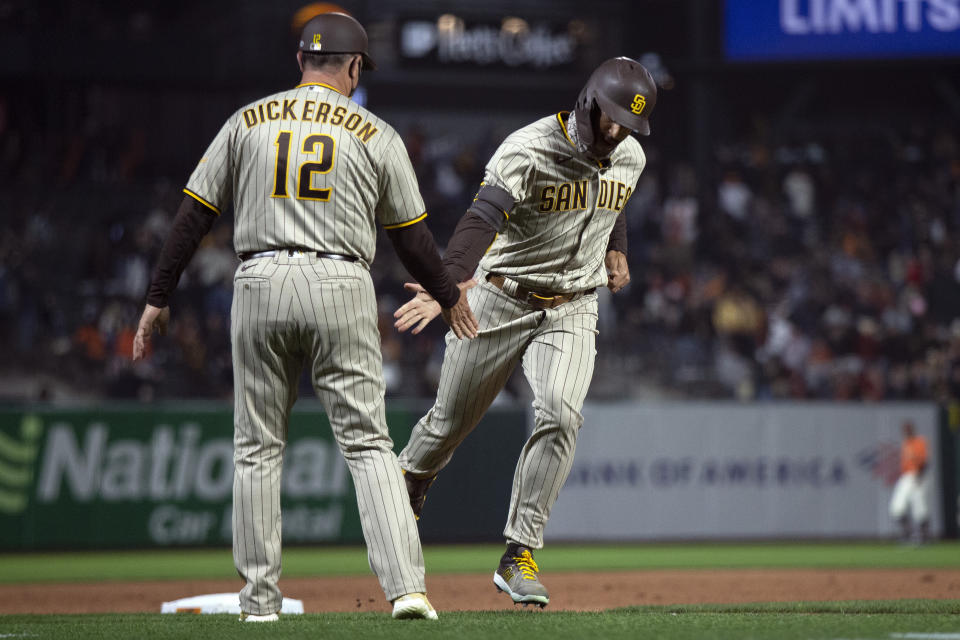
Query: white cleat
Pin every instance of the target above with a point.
(252, 617)
(413, 606)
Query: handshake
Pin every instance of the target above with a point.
(422, 308)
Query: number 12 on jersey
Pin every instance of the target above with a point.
(318, 144)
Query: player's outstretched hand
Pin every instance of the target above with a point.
(418, 312)
(422, 308)
(460, 316)
(618, 273)
(152, 318)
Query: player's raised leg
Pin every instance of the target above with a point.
(473, 373)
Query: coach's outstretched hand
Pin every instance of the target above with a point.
(152, 318)
(422, 308)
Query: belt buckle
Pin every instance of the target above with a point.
(535, 300)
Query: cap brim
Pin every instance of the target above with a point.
(623, 117)
(368, 63)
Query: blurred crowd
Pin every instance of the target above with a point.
(824, 267)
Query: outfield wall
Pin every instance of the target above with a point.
(162, 476)
(722, 471)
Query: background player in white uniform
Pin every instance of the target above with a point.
(310, 173)
(909, 500)
(553, 196)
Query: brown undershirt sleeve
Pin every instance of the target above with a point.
(417, 251)
(192, 222)
(468, 243)
(618, 235)
(476, 230)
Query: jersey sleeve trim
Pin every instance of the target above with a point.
(318, 84)
(202, 201)
(407, 223)
(563, 128)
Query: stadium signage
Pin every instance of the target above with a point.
(451, 42)
(872, 16)
(178, 465)
(832, 29)
(722, 470)
(665, 473)
(121, 477)
(132, 478)
(173, 464)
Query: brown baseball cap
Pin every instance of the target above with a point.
(336, 33)
(624, 90)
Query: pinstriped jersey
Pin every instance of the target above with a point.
(308, 168)
(555, 237)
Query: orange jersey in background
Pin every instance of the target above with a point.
(913, 454)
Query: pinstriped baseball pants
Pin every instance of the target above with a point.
(557, 348)
(289, 312)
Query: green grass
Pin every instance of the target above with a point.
(798, 621)
(334, 561)
(881, 620)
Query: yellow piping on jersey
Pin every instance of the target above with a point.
(566, 135)
(563, 128)
(318, 84)
(407, 223)
(201, 200)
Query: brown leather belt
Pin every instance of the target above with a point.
(537, 299)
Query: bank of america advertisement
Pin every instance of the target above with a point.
(723, 471)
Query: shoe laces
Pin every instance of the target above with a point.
(528, 568)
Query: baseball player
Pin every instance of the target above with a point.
(552, 206)
(310, 173)
(908, 504)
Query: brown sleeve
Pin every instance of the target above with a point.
(467, 245)
(478, 228)
(618, 235)
(417, 251)
(192, 222)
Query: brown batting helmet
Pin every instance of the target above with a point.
(624, 90)
(336, 33)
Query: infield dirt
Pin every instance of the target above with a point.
(475, 592)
